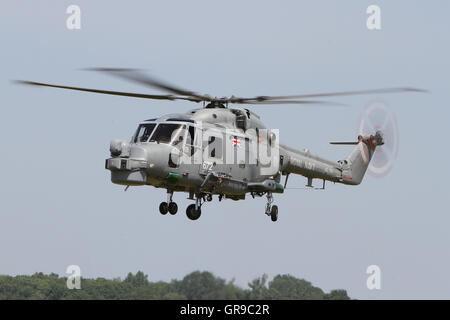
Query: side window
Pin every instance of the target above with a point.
(191, 135)
(143, 132)
(215, 147)
(190, 139)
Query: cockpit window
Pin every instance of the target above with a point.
(170, 133)
(143, 132)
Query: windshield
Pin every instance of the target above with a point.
(170, 133)
(143, 132)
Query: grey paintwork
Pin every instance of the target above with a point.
(148, 163)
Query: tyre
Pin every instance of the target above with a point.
(173, 208)
(163, 208)
(274, 213)
(192, 213)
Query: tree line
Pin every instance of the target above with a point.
(194, 286)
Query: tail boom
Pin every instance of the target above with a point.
(349, 171)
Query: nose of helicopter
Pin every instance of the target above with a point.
(127, 164)
(160, 158)
(137, 163)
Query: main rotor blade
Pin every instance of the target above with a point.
(329, 94)
(116, 93)
(269, 102)
(136, 76)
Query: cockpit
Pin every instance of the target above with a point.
(143, 132)
(167, 133)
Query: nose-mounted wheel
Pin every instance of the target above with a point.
(168, 206)
(163, 208)
(173, 208)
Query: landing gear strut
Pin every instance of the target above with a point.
(271, 210)
(168, 206)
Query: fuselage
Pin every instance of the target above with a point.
(221, 151)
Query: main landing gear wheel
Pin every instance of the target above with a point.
(271, 210)
(192, 213)
(163, 208)
(173, 208)
(274, 213)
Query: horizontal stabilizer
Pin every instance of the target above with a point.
(345, 143)
(372, 140)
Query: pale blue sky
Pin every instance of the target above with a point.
(58, 206)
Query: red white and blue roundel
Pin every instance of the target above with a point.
(236, 142)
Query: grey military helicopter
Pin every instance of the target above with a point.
(221, 151)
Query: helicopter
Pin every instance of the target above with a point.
(222, 151)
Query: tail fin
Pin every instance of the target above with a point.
(355, 166)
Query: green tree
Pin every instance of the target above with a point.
(196, 285)
(289, 287)
(201, 285)
(337, 295)
(259, 288)
(137, 280)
